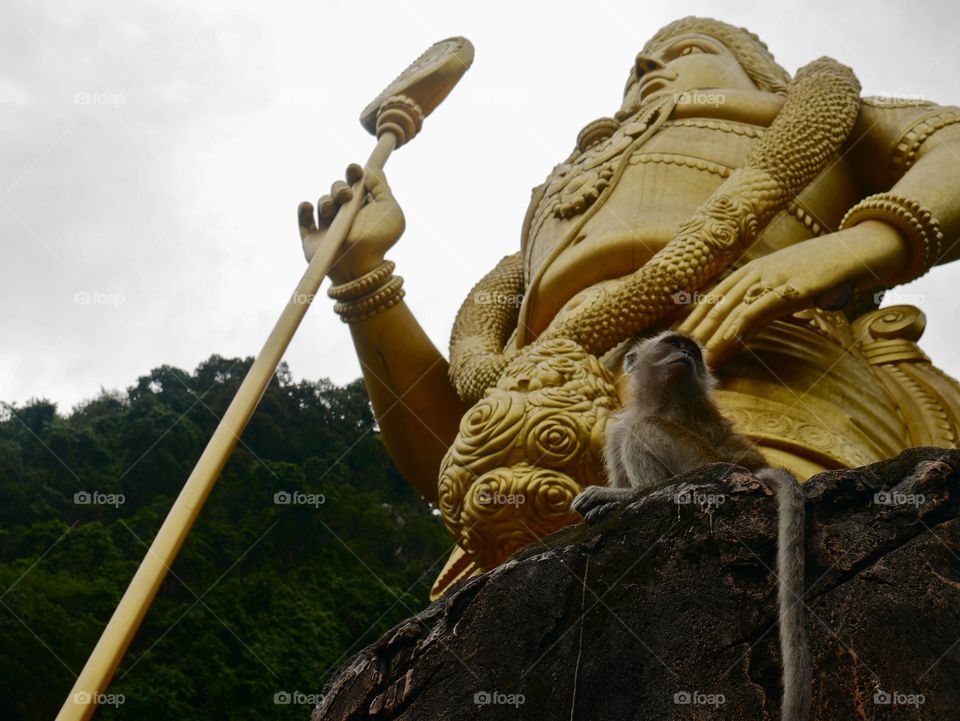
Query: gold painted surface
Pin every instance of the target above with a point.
(725, 198)
(526, 450)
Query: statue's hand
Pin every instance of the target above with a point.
(377, 227)
(819, 272)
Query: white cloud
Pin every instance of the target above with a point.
(181, 198)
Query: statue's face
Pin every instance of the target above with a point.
(685, 62)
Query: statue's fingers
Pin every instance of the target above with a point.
(306, 219)
(715, 306)
(696, 316)
(717, 355)
(377, 185)
(354, 173)
(718, 350)
(341, 192)
(705, 305)
(326, 209)
(742, 323)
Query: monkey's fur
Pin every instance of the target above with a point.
(671, 425)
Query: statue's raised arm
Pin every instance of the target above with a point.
(406, 376)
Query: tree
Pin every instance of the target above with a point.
(266, 598)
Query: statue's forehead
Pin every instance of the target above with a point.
(683, 37)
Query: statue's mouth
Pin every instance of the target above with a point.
(655, 81)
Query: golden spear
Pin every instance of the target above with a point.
(395, 117)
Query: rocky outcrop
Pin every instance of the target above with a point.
(666, 610)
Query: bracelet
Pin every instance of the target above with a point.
(916, 222)
(910, 141)
(363, 285)
(372, 305)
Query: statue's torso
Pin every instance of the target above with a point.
(664, 181)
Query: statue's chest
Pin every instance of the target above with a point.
(640, 173)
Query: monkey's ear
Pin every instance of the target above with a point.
(630, 361)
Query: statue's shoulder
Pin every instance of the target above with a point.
(891, 130)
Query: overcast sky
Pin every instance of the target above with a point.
(153, 155)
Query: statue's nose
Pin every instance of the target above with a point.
(647, 63)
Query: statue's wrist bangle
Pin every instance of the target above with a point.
(369, 295)
(364, 285)
(916, 223)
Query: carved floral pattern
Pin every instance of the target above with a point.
(525, 450)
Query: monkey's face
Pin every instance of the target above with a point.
(667, 358)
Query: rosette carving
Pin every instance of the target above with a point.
(525, 450)
(489, 430)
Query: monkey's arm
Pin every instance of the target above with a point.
(616, 473)
(641, 453)
(597, 501)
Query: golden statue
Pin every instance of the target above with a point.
(763, 214)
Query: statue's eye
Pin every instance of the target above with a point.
(692, 49)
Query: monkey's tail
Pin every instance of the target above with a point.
(794, 648)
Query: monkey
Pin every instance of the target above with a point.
(669, 425)
(794, 647)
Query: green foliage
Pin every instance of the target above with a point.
(265, 601)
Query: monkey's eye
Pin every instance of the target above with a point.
(684, 344)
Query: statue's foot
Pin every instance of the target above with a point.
(598, 501)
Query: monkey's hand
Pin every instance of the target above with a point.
(378, 225)
(597, 501)
(820, 272)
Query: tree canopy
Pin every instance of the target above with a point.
(310, 546)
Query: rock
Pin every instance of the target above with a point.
(667, 611)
